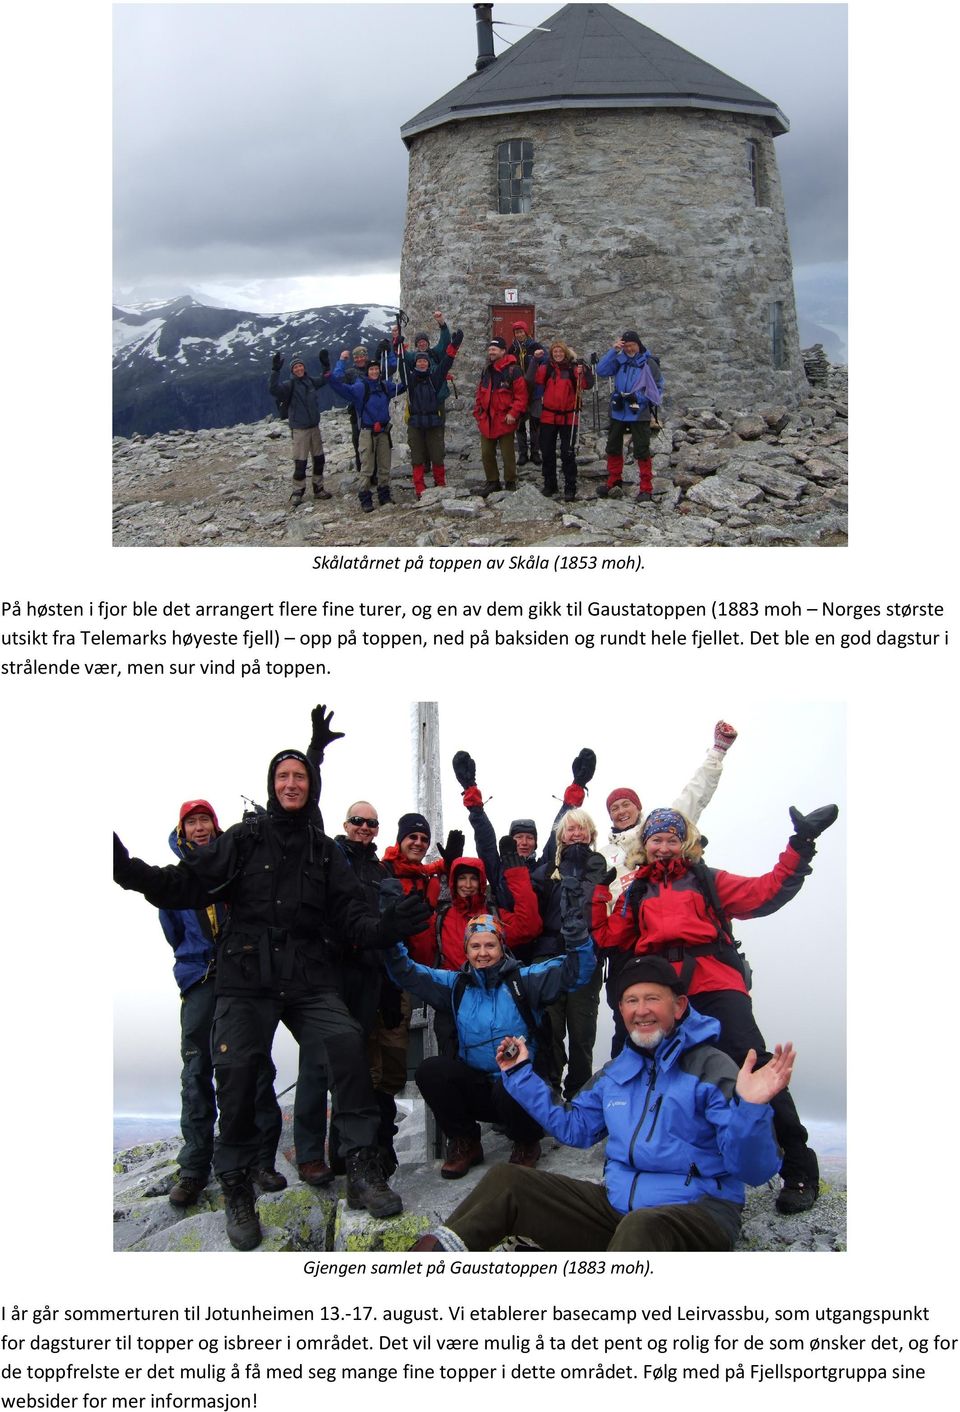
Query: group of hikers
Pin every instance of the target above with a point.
(272, 919)
(527, 407)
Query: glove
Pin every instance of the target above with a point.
(402, 918)
(322, 734)
(390, 1011)
(457, 338)
(277, 362)
(324, 357)
(596, 873)
(723, 736)
(583, 767)
(807, 827)
(121, 859)
(453, 849)
(472, 798)
(574, 860)
(509, 857)
(383, 347)
(465, 769)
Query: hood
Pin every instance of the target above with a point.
(310, 813)
(178, 843)
(470, 904)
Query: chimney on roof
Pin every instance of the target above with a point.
(485, 54)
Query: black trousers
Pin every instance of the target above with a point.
(461, 1097)
(739, 1032)
(328, 1036)
(550, 433)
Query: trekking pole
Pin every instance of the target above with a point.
(577, 404)
(594, 360)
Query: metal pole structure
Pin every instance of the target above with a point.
(426, 725)
(429, 801)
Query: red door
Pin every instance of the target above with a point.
(504, 316)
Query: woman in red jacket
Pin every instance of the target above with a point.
(675, 906)
(564, 378)
(500, 400)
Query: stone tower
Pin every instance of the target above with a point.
(604, 178)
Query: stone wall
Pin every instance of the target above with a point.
(641, 218)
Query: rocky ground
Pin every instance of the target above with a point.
(304, 1219)
(766, 477)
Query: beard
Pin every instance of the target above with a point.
(646, 1039)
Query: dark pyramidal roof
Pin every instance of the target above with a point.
(595, 56)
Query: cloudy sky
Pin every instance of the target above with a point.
(788, 753)
(258, 157)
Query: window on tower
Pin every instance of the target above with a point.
(514, 176)
(755, 172)
(775, 327)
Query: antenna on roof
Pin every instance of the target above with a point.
(485, 32)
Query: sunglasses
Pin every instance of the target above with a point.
(358, 822)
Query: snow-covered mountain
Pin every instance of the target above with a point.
(184, 365)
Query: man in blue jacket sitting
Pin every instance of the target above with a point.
(685, 1132)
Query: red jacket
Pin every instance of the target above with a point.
(425, 879)
(560, 390)
(501, 389)
(673, 909)
(519, 926)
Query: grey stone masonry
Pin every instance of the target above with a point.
(641, 218)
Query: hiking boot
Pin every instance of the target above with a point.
(615, 492)
(489, 488)
(243, 1227)
(525, 1154)
(366, 502)
(319, 493)
(426, 1242)
(644, 495)
(383, 495)
(796, 1197)
(462, 1154)
(268, 1179)
(537, 459)
(510, 485)
(187, 1190)
(549, 491)
(296, 496)
(315, 1173)
(569, 495)
(367, 1187)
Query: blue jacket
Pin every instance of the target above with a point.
(675, 1129)
(488, 1011)
(629, 375)
(372, 400)
(191, 934)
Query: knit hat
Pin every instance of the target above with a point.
(417, 337)
(498, 343)
(198, 806)
(523, 826)
(664, 821)
(646, 968)
(631, 336)
(298, 358)
(412, 823)
(360, 352)
(519, 324)
(425, 356)
(630, 794)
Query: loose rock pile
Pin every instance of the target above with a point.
(770, 476)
